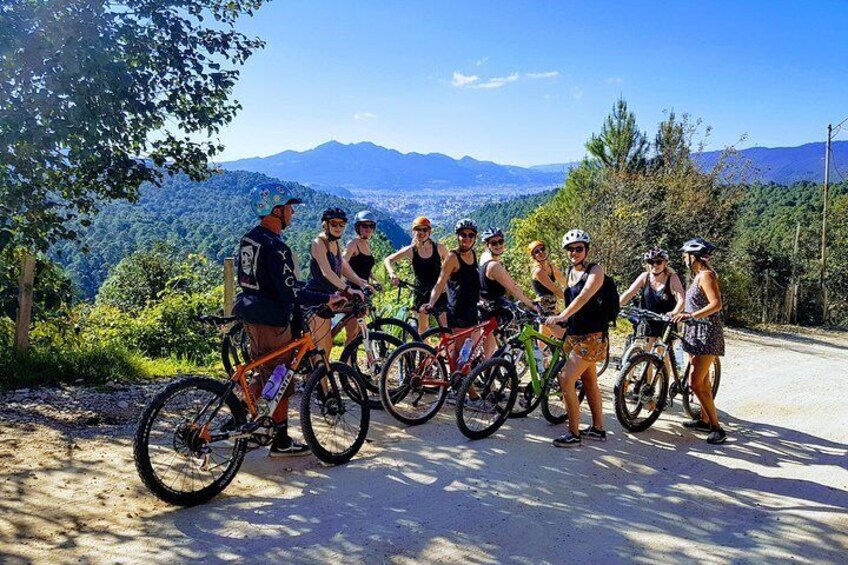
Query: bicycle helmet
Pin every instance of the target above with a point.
(656, 253)
(268, 195)
(491, 232)
(465, 224)
(699, 247)
(420, 222)
(533, 245)
(333, 214)
(364, 216)
(575, 236)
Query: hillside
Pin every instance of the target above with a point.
(366, 165)
(195, 217)
(779, 165)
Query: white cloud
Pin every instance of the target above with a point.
(549, 74)
(614, 80)
(363, 116)
(498, 82)
(460, 80)
(576, 92)
(482, 61)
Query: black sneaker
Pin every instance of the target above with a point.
(568, 439)
(717, 436)
(594, 433)
(284, 446)
(697, 425)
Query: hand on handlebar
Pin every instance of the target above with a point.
(681, 317)
(337, 301)
(426, 308)
(395, 282)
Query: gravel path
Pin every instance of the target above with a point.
(777, 492)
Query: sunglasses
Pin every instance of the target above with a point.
(468, 235)
(656, 262)
(539, 250)
(575, 249)
(368, 226)
(337, 224)
(422, 230)
(497, 242)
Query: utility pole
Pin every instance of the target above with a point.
(824, 225)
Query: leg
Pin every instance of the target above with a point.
(593, 395)
(351, 330)
(423, 322)
(699, 380)
(321, 329)
(567, 383)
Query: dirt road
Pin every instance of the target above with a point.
(776, 492)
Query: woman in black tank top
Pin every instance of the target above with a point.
(495, 282)
(548, 282)
(659, 288)
(587, 342)
(358, 255)
(426, 257)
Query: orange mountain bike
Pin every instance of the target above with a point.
(193, 435)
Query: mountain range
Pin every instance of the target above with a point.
(368, 166)
(336, 168)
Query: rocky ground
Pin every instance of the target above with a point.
(776, 492)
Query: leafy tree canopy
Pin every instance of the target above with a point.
(99, 96)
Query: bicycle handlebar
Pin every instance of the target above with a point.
(641, 313)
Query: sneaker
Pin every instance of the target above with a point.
(287, 447)
(697, 425)
(568, 439)
(717, 436)
(594, 433)
(478, 405)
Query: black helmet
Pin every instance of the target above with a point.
(333, 214)
(656, 253)
(699, 247)
(491, 232)
(465, 224)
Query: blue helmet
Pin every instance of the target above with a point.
(699, 247)
(268, 195)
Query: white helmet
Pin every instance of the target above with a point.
(575, 236)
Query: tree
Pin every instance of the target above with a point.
(620, 145)
(99, 96)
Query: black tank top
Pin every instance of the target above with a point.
(362, 264)
(659, 301)
(464, 288)
(317, 280)
(427, 270)
(540, 289)
(490, 289)
(590, 318)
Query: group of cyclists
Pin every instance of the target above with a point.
(450, 283)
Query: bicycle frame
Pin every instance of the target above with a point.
(448, 339)
(526, 337)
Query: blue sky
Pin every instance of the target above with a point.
(528, 82)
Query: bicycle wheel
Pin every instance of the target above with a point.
(640, 392)
(369, 364)
(171, 457)
(601, 366)
(402, 390)
(333, 421)
(431, 336)
(553, 405)
(395, 328)
(235, 348)
(690, 401)
(495, 386)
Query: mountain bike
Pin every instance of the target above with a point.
(642, 390)
(417, 377)
(192, 436)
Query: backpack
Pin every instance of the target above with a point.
(606, 299)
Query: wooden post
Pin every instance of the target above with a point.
(229, 286)
(24, 304)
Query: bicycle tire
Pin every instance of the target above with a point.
(556, 413)
(526, 400)
(689, 400)
(235, 348)
(398, 383)
(395, 327)
(602, 366)
(496, 383)
(321, 413)
(384, 344)
(622, 392)
(151, 474)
